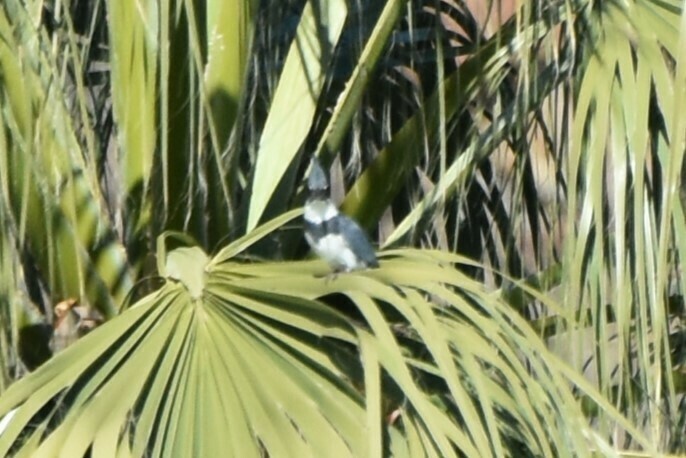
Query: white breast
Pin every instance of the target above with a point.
(333, 250)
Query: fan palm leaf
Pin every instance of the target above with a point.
(545, 146)
(249, 359)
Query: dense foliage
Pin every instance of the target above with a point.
(517, 163)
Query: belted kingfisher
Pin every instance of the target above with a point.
(336, 238)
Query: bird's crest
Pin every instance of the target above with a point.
(317, 181)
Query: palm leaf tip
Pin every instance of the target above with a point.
(188, 265)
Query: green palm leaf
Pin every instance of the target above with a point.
(240, 358)
(547, 144)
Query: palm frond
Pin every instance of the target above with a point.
(275, 347)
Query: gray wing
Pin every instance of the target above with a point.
(358, 239)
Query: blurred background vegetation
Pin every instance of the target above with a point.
(518, 163)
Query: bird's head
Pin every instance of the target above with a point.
(317, 183)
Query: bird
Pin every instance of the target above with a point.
(334, 237)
